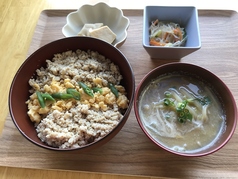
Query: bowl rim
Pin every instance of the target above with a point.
(84, 147)
(221, 145)
(105, 5)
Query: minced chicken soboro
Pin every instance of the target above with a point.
(72, 123)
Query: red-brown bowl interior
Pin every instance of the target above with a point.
(19, 91)
(201, 73)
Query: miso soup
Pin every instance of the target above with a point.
(182, 112)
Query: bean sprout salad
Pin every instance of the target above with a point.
(167, 34)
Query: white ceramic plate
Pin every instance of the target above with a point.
(98, 13)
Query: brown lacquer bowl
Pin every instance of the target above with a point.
(19, 91)
(210, 80)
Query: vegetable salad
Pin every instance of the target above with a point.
(167, 34)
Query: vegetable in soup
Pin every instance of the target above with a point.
(182, 112)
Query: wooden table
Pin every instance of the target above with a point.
(19, 20)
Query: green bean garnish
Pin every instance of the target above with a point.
(86, 89)
(74, 93)
(47, 96)
(97, 89)
(62, 96)
(113, 89)
(40, 99)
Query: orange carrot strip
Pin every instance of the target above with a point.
(156, 22)
(178, 33)
(153, 42)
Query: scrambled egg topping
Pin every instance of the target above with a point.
(100, 101)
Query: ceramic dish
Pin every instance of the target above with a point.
(98, 13)
(19, 92)
(196, 89)
(185, 16)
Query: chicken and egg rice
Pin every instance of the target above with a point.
(74, 122)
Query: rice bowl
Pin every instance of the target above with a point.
(20, 90)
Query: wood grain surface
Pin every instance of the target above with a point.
(131, 152)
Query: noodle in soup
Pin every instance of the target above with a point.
(182, 112)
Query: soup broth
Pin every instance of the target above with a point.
(181, 112)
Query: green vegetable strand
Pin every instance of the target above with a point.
(204, 101)
(86, 89)
(74, 93)
(40, 99)
(168, 102)
(113, 89)
(47, 96)
(62, 96)
(97, 89)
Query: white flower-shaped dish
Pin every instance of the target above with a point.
(98, 13)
